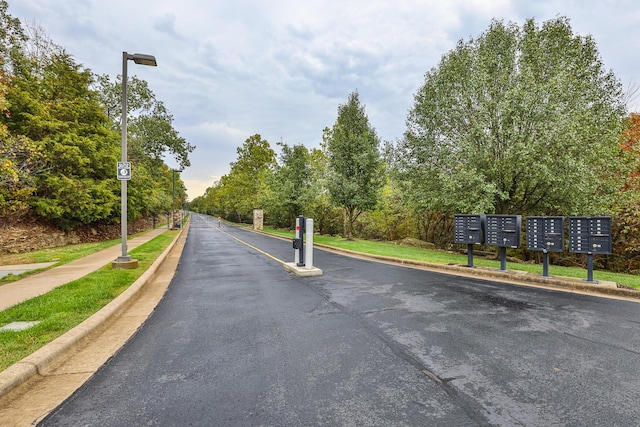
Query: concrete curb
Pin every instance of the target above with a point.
(517, 277)
(38, 362)
(567, 284)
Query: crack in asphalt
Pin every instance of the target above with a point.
(606, 344)
(469, 406)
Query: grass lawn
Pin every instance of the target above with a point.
(67, 306)
(60, 255)
(444, 257)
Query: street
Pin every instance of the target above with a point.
(238, 341)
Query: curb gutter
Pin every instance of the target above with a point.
(52, 353)
(517, 277)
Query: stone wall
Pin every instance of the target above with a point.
(30, 236)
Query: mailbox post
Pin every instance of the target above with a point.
(590, 235)
(503, 231)
(302, 265)
(308, 255)
(298, 241)
(546, 234)
(468, 229)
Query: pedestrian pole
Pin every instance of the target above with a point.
(296, 252)
(308, 255)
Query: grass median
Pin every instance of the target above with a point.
(390, 249)
(67, 306)
(60, 255)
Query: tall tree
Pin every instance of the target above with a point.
(54, 121)
(356, 168)
(520, 120)
(150, 125)
(12, 40)
(53, 109)
(293, 187)
(245, 186)
(18, 161)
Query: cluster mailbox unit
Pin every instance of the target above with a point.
(590, 235)
(468, 229)
(504, 231)
(546, 234)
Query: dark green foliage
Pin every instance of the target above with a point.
(59, 142)
(520, 120)
(356, 169)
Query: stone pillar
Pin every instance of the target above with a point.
(258, 217)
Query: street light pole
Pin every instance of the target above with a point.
(173, 195)
(124, 260)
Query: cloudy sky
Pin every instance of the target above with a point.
(229, 69)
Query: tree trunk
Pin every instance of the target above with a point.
(345, 230)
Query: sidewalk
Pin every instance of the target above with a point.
(38, 284)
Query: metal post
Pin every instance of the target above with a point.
(308, 256)
(503, 258)
(545, 263)
(123, 154)
(124, 260)
(296, 256)
(300, 224)
(590, 268)
(173, 197)
(469, 255)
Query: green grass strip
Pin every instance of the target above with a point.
(443, 257)
(67, 306)
(59, 255)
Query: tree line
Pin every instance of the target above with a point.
(519, 120)
(60, 137)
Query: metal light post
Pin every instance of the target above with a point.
(173, 196)
(124, 260)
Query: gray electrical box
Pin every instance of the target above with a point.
(503, 230)
(590, 234)
(545, 233)
(468, 229)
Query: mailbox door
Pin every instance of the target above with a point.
(579, 234)
(468, 229)
(503, 230)
(600, 244)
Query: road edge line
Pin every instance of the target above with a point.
(39, 361)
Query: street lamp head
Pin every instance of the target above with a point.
(142, 59)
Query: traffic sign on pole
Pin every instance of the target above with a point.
(124, 171)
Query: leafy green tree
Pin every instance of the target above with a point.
(51, 105)
(150, 124)
(18, 161)
(356, 169)
(58, 148)
(520, 120)
(12, 40)
(245, 187)
(151, 136)
(293, 187)
(209, 202)
(19, 164)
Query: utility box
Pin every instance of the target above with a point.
(297, 243)
(545, 233)
(503, 230)
(590, 234)
(468, 229)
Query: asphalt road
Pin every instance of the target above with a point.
(238, 341)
